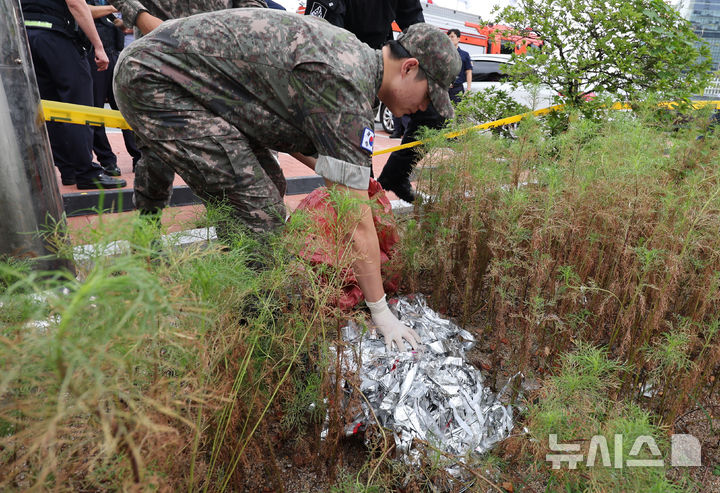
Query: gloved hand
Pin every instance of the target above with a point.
(392, 329)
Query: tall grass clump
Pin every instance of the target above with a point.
(160, 366)
(84, 372)
(606, 233)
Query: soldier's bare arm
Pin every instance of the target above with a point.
(365, 247)
(98, 11)
(366, 267)
(146, 22)
(308, 161)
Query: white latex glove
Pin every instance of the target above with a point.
(392, 329)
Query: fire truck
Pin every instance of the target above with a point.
(477, 38)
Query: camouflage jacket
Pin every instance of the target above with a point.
(288, 82)
(172, 9)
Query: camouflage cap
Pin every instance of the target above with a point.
(439, 60)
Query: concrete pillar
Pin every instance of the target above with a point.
(29, 194)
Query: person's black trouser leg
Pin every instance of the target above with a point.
(103, 149)
(399, 128)
(102, 88)
(128, 135)
(63, 74)
(395, 175)
(456, 93)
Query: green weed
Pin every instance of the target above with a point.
(579, 406)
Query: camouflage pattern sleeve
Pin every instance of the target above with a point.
(337, 117)
(129, 10)
(344, 143)
(249, 3)
(172, 9)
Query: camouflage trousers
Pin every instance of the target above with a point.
(214, 158)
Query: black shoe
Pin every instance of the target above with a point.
(68, 181)
(396, 135)
(404, 191)
(102, 181)
(111, 169)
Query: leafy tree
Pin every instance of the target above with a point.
(624, 47)
(488, 105)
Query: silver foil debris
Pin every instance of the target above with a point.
(432, 395)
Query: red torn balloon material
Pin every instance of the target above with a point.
(321, 248)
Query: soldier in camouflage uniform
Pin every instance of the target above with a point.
(146, 15)
(210, 94)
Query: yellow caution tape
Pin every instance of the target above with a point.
(497, 123)
(101, 117)
(83, 115)
(514, 119)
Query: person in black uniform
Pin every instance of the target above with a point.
(63, 74)
(371, 21)
(113, 40)
(395, 175)
(399, 123)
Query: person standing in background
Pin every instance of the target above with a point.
(59, 33)
(399, 124)
(465, 75)
(113, 40)
(369, 20)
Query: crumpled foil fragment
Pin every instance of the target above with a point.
(432, 394)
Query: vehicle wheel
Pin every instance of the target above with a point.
(386, 119)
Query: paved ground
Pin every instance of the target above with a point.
(178, 218)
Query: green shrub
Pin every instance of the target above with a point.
(488, 105)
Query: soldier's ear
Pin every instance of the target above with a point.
(409, 65)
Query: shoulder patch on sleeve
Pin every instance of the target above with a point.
(318, 10)
(368, 139)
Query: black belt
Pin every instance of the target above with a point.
(49, 21)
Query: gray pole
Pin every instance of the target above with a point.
(29, 194)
